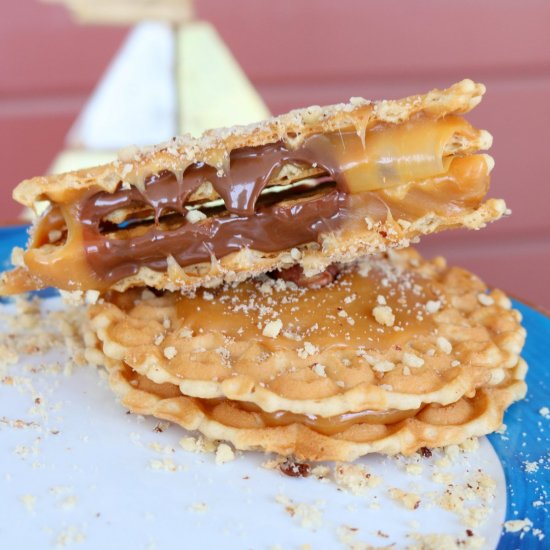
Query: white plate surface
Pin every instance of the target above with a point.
(85, 473)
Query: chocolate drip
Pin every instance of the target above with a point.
(268, 228)
(250, 169)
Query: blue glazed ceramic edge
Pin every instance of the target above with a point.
(524, 448)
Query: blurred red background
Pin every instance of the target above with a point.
(320, 51)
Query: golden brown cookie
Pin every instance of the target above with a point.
(392, 332)
(433, 426)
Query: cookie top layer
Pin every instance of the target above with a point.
(214, 146)
(392, 332)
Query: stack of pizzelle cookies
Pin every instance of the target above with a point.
(397, 354)
(256, 284)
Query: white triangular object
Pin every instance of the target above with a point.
(135, 101)
(161, 83)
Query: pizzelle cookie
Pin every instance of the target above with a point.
(393, 332)
(312, 187)
(344, 439)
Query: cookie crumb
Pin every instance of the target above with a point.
(307, 350)
(384, 315)
(272, 329)
(485, 299)
(411, 501)
(355, 478)
(199, 507)
(383, 366)
(224, 453)
(319, 370)
(159, 338)
(412, 360)
(444, 345)
(308, 515)
(70, 535)
(515, 525)
(170, 352)
(199, 444)
(414, 469)
(530, 467)
(433, 306)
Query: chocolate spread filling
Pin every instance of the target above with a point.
(268, 227)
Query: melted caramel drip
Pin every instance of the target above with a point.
(335, 315)
(217, 409)
(331, 425)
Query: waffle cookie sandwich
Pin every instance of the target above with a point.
(314, 186)
(256, 285)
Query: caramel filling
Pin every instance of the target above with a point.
(404, 171)
(331, 425)
(339, 314)
(249, 416)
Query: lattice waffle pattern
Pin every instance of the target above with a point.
(393, 332)
(433, 426)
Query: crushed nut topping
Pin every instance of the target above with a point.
(293, 468)
(384, 315)
(444, 345)
(170, 352)
(272, 328)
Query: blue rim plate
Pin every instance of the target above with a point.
(524, 448)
